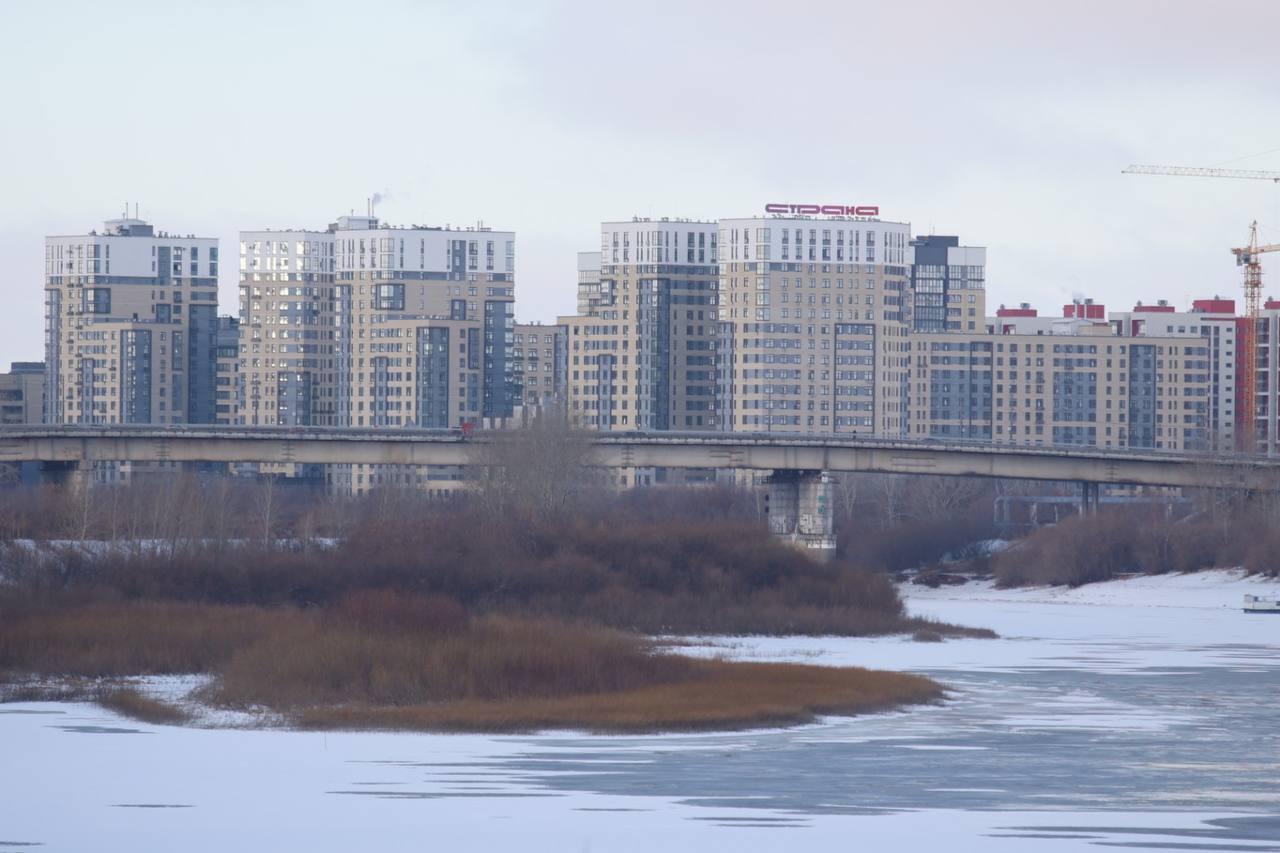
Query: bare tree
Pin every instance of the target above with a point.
(934, 497)
(846, 494)
(540, 471)
(265, 509)
(892, 498)
(85, 505)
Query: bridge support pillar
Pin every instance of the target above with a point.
(1088, 498)
(799, 511)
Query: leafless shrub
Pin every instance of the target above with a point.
(130, 702)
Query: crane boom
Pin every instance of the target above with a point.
(1243, 256)
(1198, 172)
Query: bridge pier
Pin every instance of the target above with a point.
(1088, 498)
(799, 511)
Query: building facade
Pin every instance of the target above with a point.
(1151, 378)
(431, 314)
(228, 381)
(22, 393)
(288, 312)
(539, 360)
(366, 324)
(814, 316)
(1083, 390)
(130, 326)
(644, 358)
(588, 282)
(1212, 325)
(948, 285)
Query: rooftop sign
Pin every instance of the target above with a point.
(824, 209)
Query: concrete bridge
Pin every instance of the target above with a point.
(798, 464)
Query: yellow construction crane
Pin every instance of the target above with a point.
(1247, 257)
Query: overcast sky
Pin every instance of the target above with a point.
(1004, 122)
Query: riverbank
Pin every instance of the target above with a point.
(378, 661)
(717, 696)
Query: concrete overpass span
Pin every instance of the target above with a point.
(69, 445)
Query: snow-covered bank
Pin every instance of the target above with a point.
(1207, 589)
(1131, 624)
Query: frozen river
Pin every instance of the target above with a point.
(1142, 714)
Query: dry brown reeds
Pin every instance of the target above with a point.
(376, 659)
(716, 695)
(130, 702)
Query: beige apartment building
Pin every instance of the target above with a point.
(130, 326)
(1088, 387)
(447, 294)
(539, 359)
(814, 316)
(1213, 325)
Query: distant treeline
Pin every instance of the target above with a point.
(652, 561)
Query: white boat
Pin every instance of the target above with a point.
(1258, 604)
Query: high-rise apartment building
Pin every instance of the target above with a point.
(431, 316)
(814, 317)
(287, 318)
(644, 357)
(368, 325)
(130, 326)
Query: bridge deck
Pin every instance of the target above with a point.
(753, 451)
